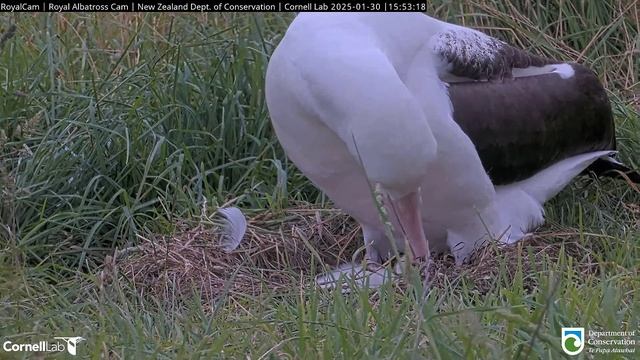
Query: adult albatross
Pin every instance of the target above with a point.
(360, 100)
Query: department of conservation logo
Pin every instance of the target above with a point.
(572, 340)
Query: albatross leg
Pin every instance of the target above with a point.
(372, 273)
(378, 247)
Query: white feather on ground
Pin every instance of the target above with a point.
(233, 228)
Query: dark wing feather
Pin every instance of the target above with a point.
(522, 125)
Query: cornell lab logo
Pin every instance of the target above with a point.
(71, 342)
(45, 346)
(572, 340)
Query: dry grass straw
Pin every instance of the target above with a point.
(281, 255)
(527, 257)
(273, 256)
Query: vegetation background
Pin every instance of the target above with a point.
(120, 128)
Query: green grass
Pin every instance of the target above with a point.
(119, 126)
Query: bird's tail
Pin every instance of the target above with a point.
(610, 167)
(547, 183)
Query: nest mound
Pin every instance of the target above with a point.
(282, 252)
(276, 252)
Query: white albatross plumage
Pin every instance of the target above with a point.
(359, 100)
